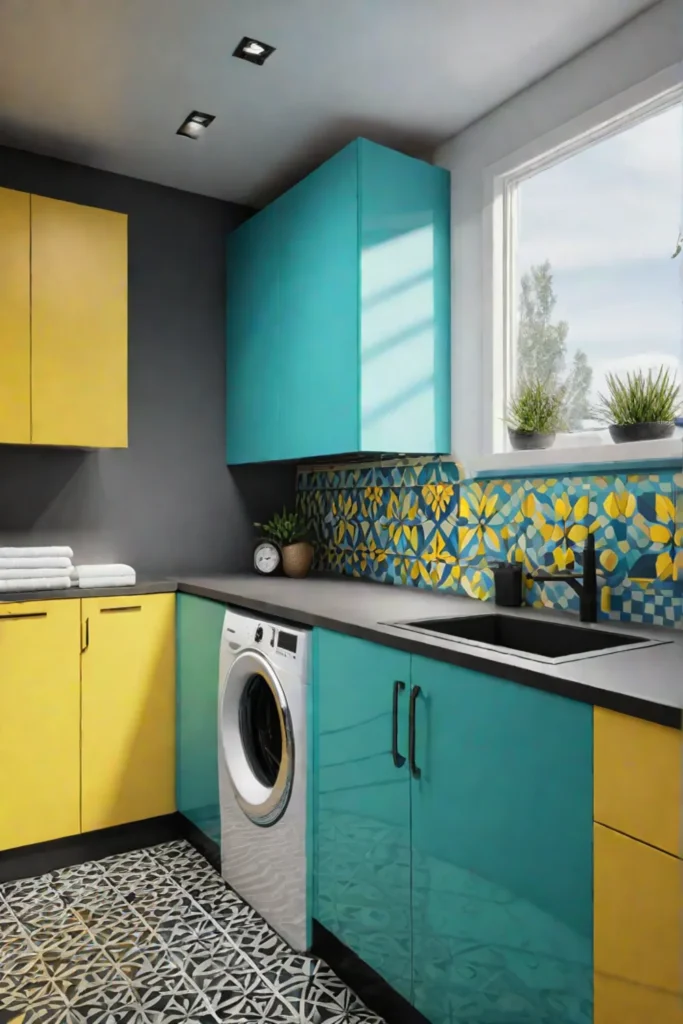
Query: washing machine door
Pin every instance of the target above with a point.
(256, 739)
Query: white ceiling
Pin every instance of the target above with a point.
(107, 82)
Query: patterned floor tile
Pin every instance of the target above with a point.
(155, 937)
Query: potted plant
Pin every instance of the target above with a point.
(640, 407)
(535, 414)
(289, 530)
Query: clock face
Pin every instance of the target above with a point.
(266, 557)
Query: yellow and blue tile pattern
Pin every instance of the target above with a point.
(420, 523)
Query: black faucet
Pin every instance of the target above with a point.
(588, 591)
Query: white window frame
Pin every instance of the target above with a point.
(499, 286)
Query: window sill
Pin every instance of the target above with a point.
(649, 455)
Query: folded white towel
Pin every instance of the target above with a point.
(36, 563)
(53, 552)
(116, 569)
(32, 574)
(106, 581)
(48, 583)
(73, 574)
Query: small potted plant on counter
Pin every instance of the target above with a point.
(641, 406)
(289, 530)
(535, 414)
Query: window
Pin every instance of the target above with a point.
(584, 283)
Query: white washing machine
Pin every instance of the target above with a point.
(262, 768)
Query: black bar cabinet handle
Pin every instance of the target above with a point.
(399, 760)
(414, 770)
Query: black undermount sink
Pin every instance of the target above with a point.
(539, 639)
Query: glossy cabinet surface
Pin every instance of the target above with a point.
(465, 878)
(79, 317)
(338, 313)
(39, 721)
(405, 280)
(501, 850)
(638, 779)
(198, 634)
(15, 317)
(638, 900)
(128, 709)
(361, 803)
(253, 355)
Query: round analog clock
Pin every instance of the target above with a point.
(267, 557)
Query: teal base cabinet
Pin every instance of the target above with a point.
(338, 313)
(198, 635)
(361, 821)
(502, 851)
(465, 878)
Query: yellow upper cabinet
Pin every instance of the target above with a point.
(637, 787)
(15, 317)
(39, 722)
(79, 282)
(128, 709)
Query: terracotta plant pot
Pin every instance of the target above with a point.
(641, 431)
(297, 559)
(527, 440)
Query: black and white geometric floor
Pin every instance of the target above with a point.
(154, 937)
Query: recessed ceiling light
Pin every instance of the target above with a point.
(194, 124)
(253, 50)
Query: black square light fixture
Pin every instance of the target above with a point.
(195, 124)
(253, 50)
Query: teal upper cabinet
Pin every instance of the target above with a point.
(198, 637)
(338, 313)
(361, 802)
(502, 850)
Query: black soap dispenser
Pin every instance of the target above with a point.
(507, 582)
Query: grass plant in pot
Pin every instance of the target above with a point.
(535, 414)
(289, 530)
(641, 406)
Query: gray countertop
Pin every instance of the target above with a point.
(141, 587)
(647, 682)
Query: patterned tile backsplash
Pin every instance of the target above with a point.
(421, 523)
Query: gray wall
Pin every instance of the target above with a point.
(168, 503)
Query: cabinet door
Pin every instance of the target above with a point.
(502, 850)
(39, 722)
(319, 280)
(638, 778)
(361, 800)
(405, 315)
(199, 626)
(255, 397)
(79, 281)
(638, 899)
(15, 317)
(128, 709)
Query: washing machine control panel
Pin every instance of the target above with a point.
(280, 643)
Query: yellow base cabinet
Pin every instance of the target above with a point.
(622, 1002)
(638, 778)
(128, 709)
(637, 932)
(39, 721)
(15, 317)
(79, 318)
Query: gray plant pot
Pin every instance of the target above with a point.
(526, 440)
(640, 431)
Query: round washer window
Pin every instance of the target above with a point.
(260, 730)
(257, 740)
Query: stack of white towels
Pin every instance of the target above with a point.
(112, 575)
(35, 568)
(52, 568)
